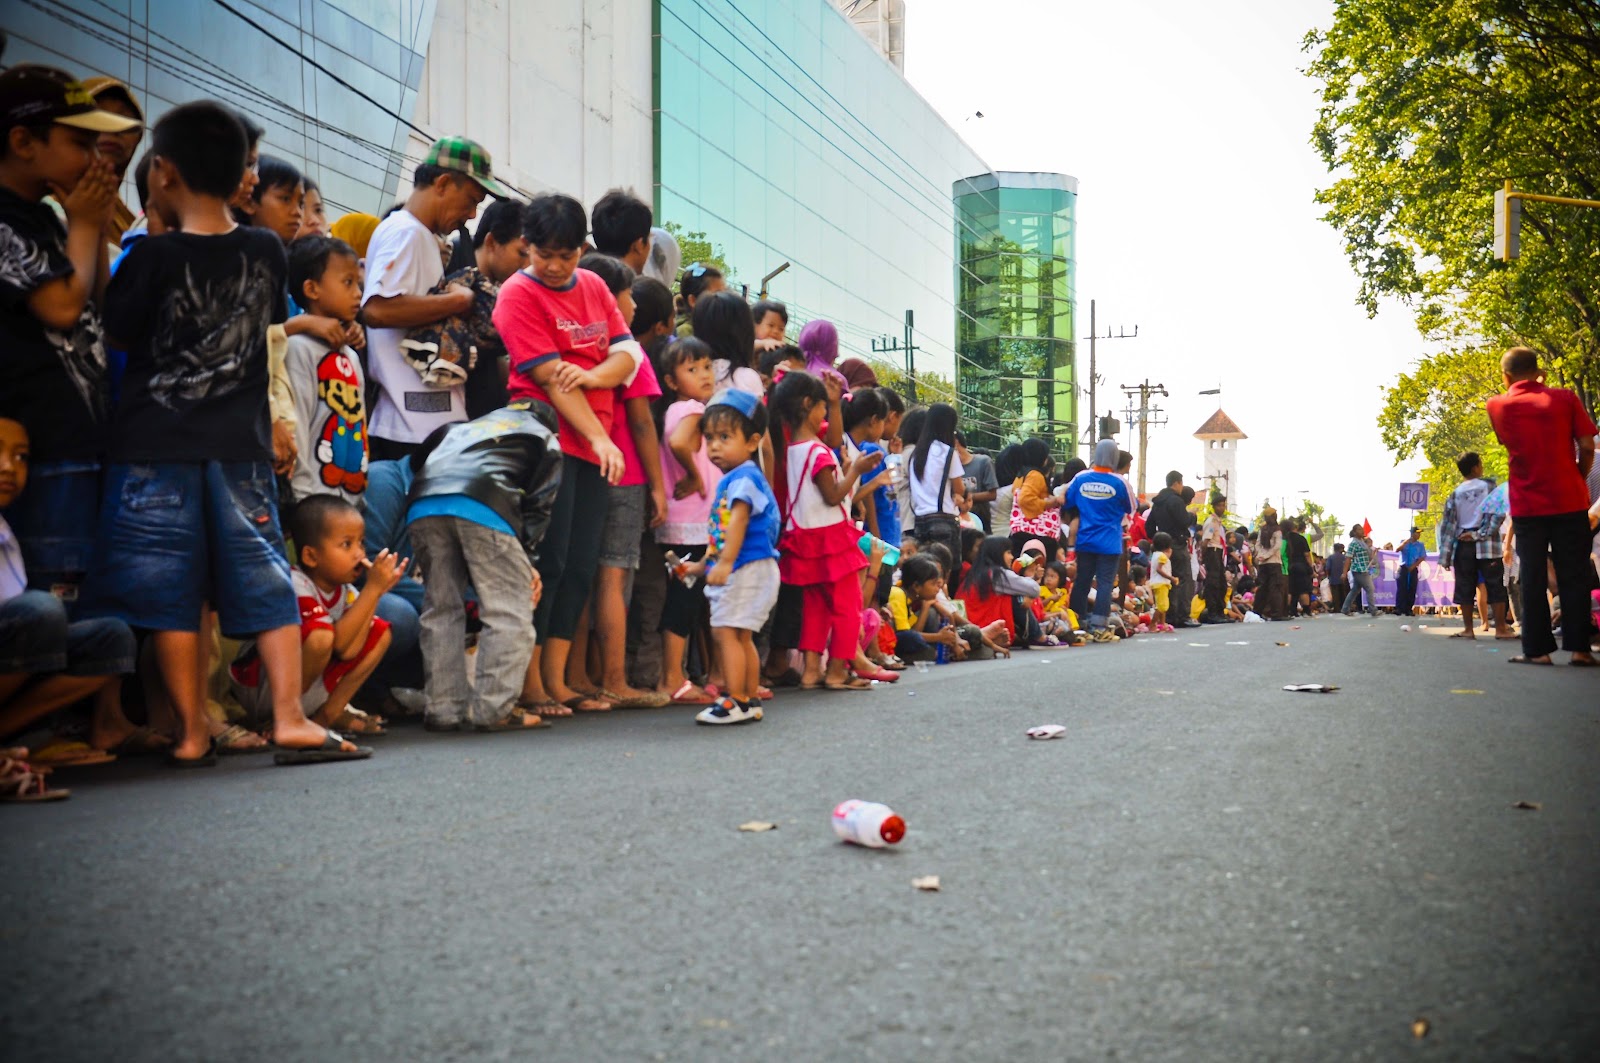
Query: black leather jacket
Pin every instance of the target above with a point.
(1169, 514)
(507, 460)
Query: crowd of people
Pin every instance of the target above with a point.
(270, 484)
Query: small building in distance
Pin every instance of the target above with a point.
(1220, 470)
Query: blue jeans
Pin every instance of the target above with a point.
(402, 665)
(37, 639)
(175, 535)
(55, 521)
(1102, 568)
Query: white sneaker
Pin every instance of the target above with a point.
(414, 701)
(726, 710)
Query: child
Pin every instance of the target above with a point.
(863, 428)
(480, 507)
(341, 638)
(51, 278)
(277, 202)
(818, 542)
(47, 662)
(313, 212)
(922, 619)
(570, 350)
(1059, 619)
(722, 322)
(328, 384)
(991, 587)
(189, 513)
(686, 472)
(742, 584)
(697, 280)
(1161, 579)
(776, 361)
(772, 323)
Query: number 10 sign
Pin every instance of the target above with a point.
(1414, 496)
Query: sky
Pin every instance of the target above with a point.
(1188, 128)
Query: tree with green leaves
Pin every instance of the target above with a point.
(698, 247)
(1427, 108)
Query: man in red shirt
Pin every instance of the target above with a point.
(1550, 438)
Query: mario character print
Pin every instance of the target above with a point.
(342, 448)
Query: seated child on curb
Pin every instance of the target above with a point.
(341, 640)
(923, 622)
(991, 588)
(1055, 594)
(741, 566)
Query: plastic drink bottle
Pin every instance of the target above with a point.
(896, 463)
(678, 569)
(891, 554)
(868, 823)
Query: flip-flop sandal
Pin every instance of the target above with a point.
(142, 742)
(685, 695)
(233, 742)
(28, 788)
(327, 753)
(1520, 659)
(653, 699)
(370, 726)
(515, 720)
(576, 704)
(764, 694)
(1464, 635)
(1583, 662)
(851, 687)
(209, 760)
(789, 677)
(880, 675)
(70, 754)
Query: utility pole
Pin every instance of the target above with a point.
(1121, 334)
(1146, 413)
(884, 345)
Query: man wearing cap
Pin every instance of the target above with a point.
(50, 276)
(404, 265)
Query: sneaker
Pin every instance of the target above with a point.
(726, 710)
(413, 701)
(1103, 635)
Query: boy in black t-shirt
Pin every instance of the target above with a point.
(51, 279)
(189, 512)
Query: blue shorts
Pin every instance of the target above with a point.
(174, 536)
(37, 639)
(55, 521)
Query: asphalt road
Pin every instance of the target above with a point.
(1203, 868)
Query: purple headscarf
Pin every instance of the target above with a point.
(819, 342)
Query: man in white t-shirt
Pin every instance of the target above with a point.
(404, 263)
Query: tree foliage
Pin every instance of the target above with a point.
(698, 247)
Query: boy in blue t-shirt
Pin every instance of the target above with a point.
(741, 566)
(1102, 500)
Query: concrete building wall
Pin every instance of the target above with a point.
(558, 91)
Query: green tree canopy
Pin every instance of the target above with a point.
(698, 247)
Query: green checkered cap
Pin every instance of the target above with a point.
(466, 157)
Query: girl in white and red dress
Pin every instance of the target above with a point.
(817, 547)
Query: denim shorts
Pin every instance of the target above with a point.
(176, 535)
(619, 541)
(54, 521)
(37, 639)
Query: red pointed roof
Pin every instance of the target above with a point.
(1219, 426)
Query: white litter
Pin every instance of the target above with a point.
(1049, 730)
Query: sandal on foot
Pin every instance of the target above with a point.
(1583, 662)
(764, 694)
(234, 741)
(28, 788)
(689, 694)
(515, 720)
(70, 754)
(328, 752)
(1520, 659)
(849, 684)
(141, 742)
(879, 675)
(789, 677)
(580, 703)
(209, 760)
(355, 722)
(649, 699)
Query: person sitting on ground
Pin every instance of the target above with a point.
(341, 637)
(47, 662)
(923, 622)
(1474, 560)
(991, 587)
(480, 507)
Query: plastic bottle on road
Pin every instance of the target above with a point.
(868, 823)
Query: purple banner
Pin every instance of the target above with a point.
(1435, 586)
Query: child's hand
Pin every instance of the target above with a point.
(385, 571)
(91, 198)
(355, 337)
(465, 297)
(658, 506)
(330, 330)
(611, 463)
(833, 384)
(720, 573)
(876, 554)
(284, 451)
(768, 345)
(863, 464)
(570, 377)
(689, 485)
(895, 445)
(535, 589)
